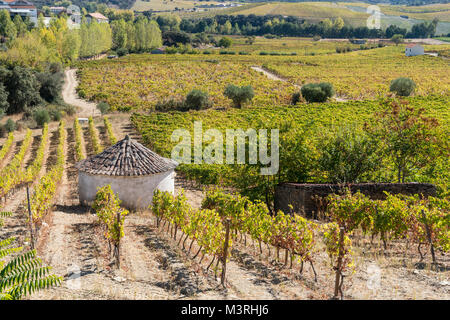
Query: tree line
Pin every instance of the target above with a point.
(278, 25)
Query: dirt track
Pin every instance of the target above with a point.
(70, 96)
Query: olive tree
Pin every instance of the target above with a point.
(239, 95)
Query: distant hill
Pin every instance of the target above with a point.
(122, 4)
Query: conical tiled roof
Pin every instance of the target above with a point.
(126, 158)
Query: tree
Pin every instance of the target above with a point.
(225, 42)
(397, 39)
(23, 88)
(4, 104)
(347, 156)
(51, 85)
(317, 92)
(239, 95)
(197, 100)
(21, 26)
(402, 86)
(7, 27)
(411, 140)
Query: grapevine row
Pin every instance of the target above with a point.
(34, 169)
(112, 138)
(206, 226)
(112, 218)
(11, 175)
(44, 192)
(94, 137)
(294, 234)
(6, 146)
(79, 154)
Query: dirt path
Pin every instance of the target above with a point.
(273, 76)
(70, 96)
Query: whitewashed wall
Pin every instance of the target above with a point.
(135, 192)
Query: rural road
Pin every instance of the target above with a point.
(70, 96)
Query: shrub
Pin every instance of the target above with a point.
(168, 105)
(316, 38)
(295, 98)
(225, 42)
(55, 115)
(103, 107)
(402, 86)
(122, 52)
(239, 95)
(41, 116)
(10, 125)
(317, 92)
(197, 100)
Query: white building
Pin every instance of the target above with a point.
(20, 7)
(133, 171)
(414, 49)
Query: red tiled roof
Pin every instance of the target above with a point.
(98, 15)
(412, 45)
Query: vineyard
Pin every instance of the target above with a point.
(179, 249)
(219, 235)
(139, 81)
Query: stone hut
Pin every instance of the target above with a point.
(132, 170)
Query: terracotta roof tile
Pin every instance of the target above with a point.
(126, 158)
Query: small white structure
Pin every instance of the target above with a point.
(133, 171)
(414, 49)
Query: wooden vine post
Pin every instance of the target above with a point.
(430, 240)
(30, 216)
(225, 251)
(117, 244)
(338, 283)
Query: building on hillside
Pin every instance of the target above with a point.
(414, 49)
(57, 10)
(97, 17)
(133, 171)
(20, 7)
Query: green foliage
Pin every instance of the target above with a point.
(10, 125)
(197, 100)
(51, 85)
(239, 95)
(317, 92)
(409, 139)
(397, 38)
(22, 274)
(296, 98)
(41, 116)
(107, 207)
(347, 156)
(23, 88)
(225, 42)
(402, 86)
(103, 107)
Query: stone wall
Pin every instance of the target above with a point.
(301, 196)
